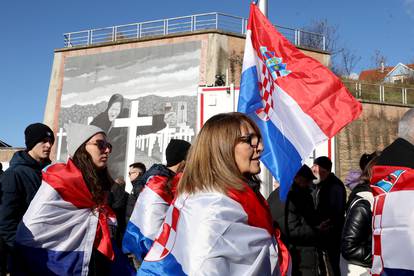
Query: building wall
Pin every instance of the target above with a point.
(221, 54)
(6, 155)
(375, 129)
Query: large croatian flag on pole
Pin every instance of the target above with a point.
(295, 100)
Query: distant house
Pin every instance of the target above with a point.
(401, 73)
(4, 145)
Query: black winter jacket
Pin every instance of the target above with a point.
(357, 233)
(18, 185)
(277, 209)
(137, 186)
(302, 234)
(330, 198)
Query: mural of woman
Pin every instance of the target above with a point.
(117, 136)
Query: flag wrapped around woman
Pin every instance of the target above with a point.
(219, 224)
(68, 226)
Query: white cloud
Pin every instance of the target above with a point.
(183, 82)
(105, 78)
(166, 63)
(155, 69)
(83, 76)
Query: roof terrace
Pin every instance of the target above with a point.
(184, 24)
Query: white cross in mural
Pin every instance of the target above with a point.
(60, 136)
(132, 123)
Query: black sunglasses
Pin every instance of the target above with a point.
(102, 145)
(252, 139)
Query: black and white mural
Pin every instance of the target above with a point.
(140, 97)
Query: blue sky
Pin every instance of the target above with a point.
(31, 30)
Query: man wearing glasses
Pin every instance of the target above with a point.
(136, 170)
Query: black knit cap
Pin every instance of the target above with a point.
(323, 162)
(35, 133)
(306, 172)
(176, 151)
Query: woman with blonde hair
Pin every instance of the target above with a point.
(219, 223)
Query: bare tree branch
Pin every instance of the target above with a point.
(329, 31)
(349, 60)
(378, 59)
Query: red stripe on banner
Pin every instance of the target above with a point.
(330, 148)
(379, 206)
(163, 237)
(318, 92)
(164, 253)
(68, 181)
(157, 183)
(201, 110)
(175, 216)
(377, 244)
(206, 89)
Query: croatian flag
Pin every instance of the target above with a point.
(62, 226)
(295, 100)
(210, 233)
(148, 215)
(393, 223)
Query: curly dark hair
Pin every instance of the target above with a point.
(98, 181)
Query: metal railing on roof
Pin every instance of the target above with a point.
(184, 24)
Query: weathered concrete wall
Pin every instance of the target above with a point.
(375, 129)
(221, 54)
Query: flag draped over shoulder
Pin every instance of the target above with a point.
(393, 224)
(62, 226)
(149, 213)
(211, 233)
(295, 100)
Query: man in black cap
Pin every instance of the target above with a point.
(303, 226)
(19, 184)
(330, 200)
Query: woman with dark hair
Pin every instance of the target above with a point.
(219, 223)
(117, 136)
(357, 232)
(68, 227)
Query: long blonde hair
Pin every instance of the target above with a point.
(211, 164)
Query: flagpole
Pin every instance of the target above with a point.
(263, 6)
(265, 175)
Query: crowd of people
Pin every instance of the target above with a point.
(201, 213)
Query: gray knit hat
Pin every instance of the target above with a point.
(77, 134)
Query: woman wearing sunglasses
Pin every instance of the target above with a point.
(219, 223)
(68, 227)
